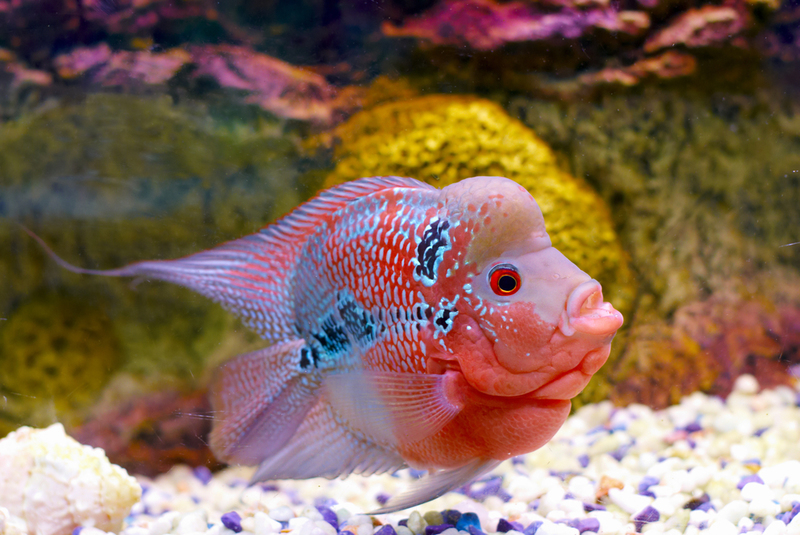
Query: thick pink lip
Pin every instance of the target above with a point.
(587, 313)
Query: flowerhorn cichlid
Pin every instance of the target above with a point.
(410, 326)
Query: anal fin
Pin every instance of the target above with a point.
(259, 399)
(324, 447)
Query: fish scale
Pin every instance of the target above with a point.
(393, 343)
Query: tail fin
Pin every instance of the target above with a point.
(251, 276)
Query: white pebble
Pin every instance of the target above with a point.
(776, 528)
(281, 514)
(164, 523)
(573, 508)
(734, 511)
(264, 525)
(402, 530)
(416, 523)
(551, 528)
(722, 527)
(754, 490)
(775, 476)
(582, 488)
(794, 526)
(763, 507)
(193, 522)
(628, 501)
(746, 384)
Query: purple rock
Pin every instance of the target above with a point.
(588, 524)
(475, 531)
(273, 488)
(705, 507)
(693, 427)
(783, 517)
(232, 521)
(387, 529)
(583, 459)
(620, 452)
(403, 522)
(589, 507)
(202, 473)
(795, 510)
(645, 516)
(533, 528)
(435, 530)
(758, 526)
(416, 474)
(754, 461)
(77, 531)
(760, 432)
(749, 479)
(504, 526)
(329, 516)
(647, 482)
(382, 498)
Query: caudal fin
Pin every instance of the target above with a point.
(252, 276)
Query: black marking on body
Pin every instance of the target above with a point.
(444, 319)
(309, 356)
(431, 248)
(332, 338)
(358, 322)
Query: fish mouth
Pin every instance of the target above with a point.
(587, 313)
(570, 383)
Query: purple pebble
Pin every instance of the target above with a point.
(533, 528)
(588, 524)
(693, 427)
(583, 459)
(504, 526)
(386, 529)
(749, 479)
(451, 516)
(758, 526)
(382, 498)
(589, 507)
(77, 530)
(475, 531)
(436, 530)
(795, 510)
(232, 521)
(647, 482)
(705, 507)
(403, 522)
(329, 516)
(202, 473)
(645, 516)
(760, 432)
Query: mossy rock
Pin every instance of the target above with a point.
(443, 139)
(113, 179)
(58, 352)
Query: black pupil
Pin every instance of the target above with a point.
(507, 283)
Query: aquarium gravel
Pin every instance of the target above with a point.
(705, 465)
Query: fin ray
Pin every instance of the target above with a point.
(436, 484)
(389, 406)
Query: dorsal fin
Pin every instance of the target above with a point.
(250, 276)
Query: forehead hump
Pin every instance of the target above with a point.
(503, 213)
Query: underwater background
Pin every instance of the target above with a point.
(661, 139)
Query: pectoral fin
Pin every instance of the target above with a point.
(389, 407)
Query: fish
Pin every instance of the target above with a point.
(409, 326)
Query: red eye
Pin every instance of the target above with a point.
(504, 280)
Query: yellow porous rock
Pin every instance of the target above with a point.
(51, 484)
(442, 139)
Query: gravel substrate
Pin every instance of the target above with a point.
(706, 465)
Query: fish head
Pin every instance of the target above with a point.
(531, 323)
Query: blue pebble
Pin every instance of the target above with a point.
(645, 516)
(467, 520)
(329, 516)
(232, 521)
(386, 529)
(202, 473)
(532, 528)
(588, 524)
(749, 479)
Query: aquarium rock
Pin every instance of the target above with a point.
(51, 485)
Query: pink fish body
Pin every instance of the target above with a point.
(411, 326)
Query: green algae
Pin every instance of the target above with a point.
(114, 179)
